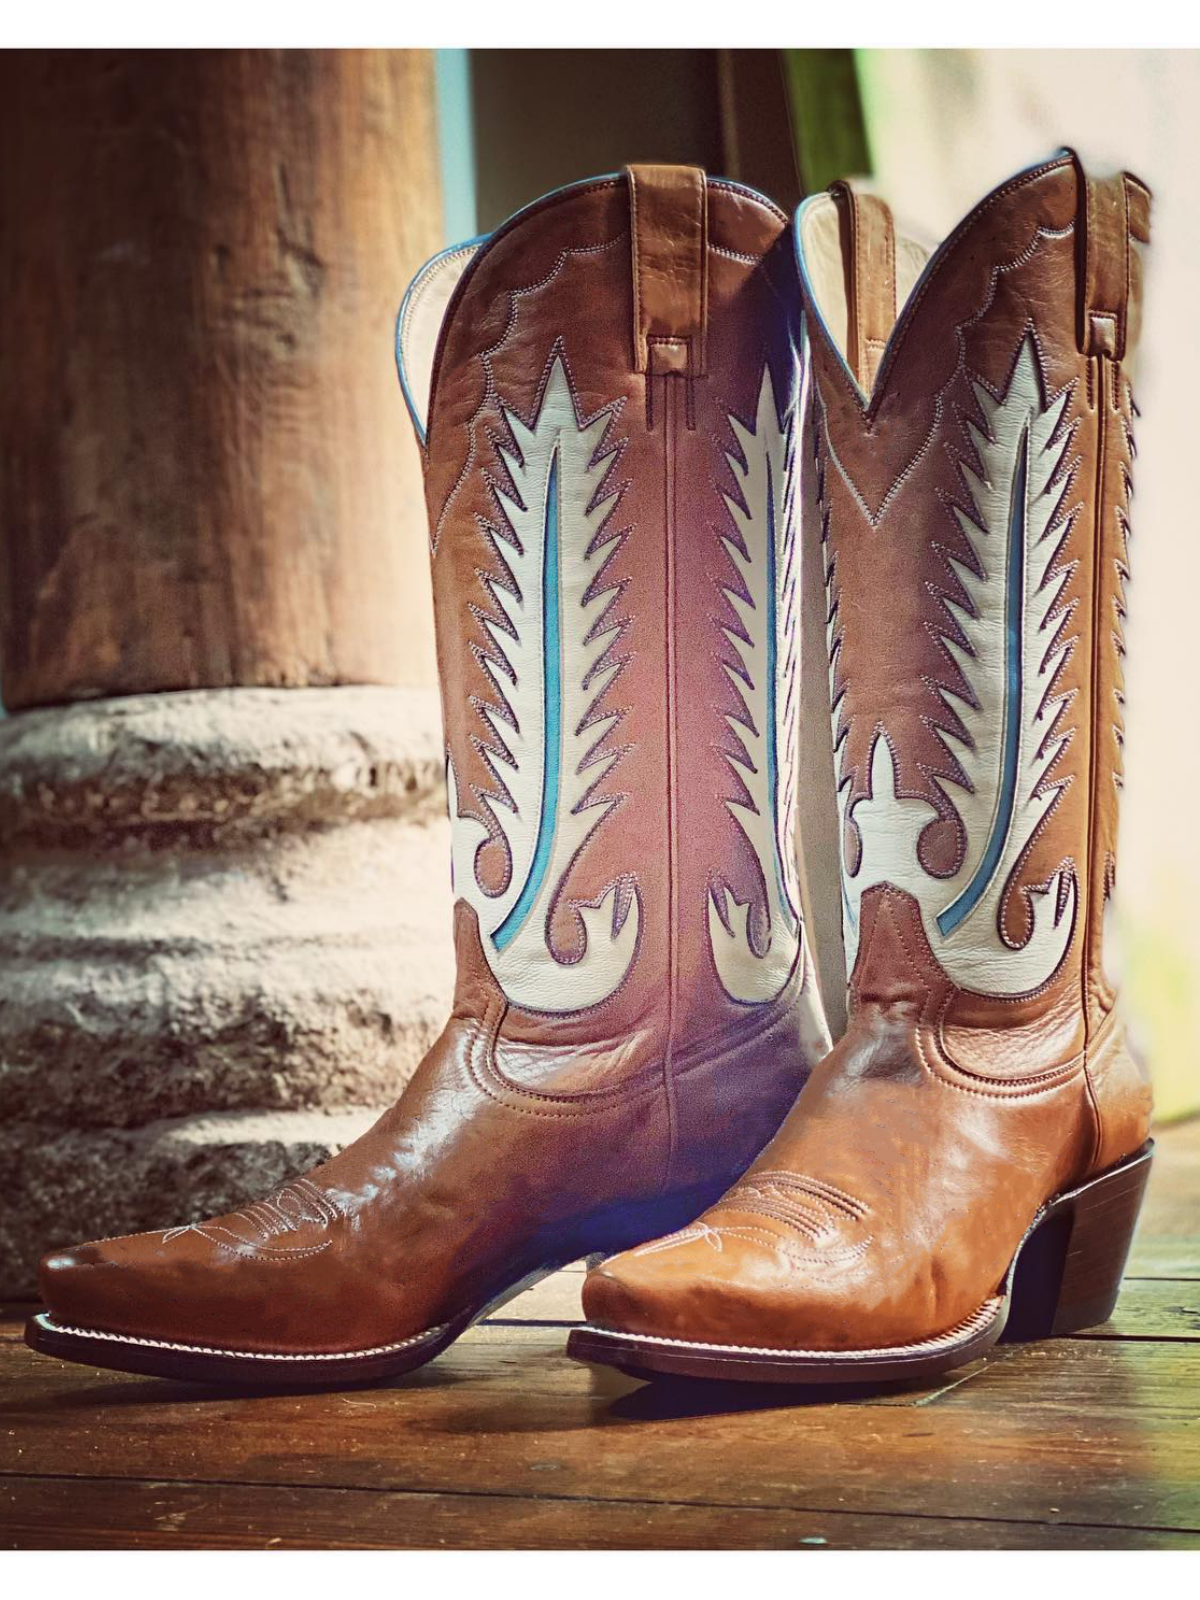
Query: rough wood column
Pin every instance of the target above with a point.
(206, 479)
(223, 894)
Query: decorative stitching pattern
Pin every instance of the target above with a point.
(763, 555)
(715, 1237)
(1101, 985)
(743, 193)
(1004, 631)
(486, 357)
(806, 1206)
(297, 1205)
(875, 517)
(936, 263)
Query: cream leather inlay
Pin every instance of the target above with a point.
(1010, 640)
(755, 964)
(421, 318)
(552, 661)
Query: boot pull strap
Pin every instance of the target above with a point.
(1113, 212)
(869, 257)
(668, 223)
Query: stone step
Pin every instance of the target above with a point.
(228, 901)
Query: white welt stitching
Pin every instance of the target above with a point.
(973, 1324)
(244, 1355)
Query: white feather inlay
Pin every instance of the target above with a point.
(552, 661)
(754, 963)
(1003, 733)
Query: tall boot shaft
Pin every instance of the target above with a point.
(975, 517)
(608, 422)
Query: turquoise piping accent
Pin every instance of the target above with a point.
(1014, 597)
(552, 691)
(851, 912)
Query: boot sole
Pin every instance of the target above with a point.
(1065, 1276)
(194, 1363)
(197, 1363)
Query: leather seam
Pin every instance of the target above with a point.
(779, 1010)
(1093, 765)
(743, 256)
(672, 807)
(762, 201)
(968, 1326)
(246, 1355)
(631, 1088)
(639, 308)
(482, 1062)
(1022, 1090)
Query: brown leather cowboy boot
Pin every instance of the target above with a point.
(974, 1150)
(605, 396)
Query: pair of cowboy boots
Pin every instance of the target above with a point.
(640, 404)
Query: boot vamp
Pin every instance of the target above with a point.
(886, 1211)
(484, 1171)
(242, 1281)
(448, 1197)
(319, 1265)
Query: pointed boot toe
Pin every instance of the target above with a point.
(634, 1293)
(124, 1288)
(265, 1295)
(104, 1300)
(103, 1285)
(77, 1285)
(782, 1281)
(717, 1295)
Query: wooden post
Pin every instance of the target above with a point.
(224, 890)
(207, 480)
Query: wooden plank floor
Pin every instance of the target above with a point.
(1091, 1442)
